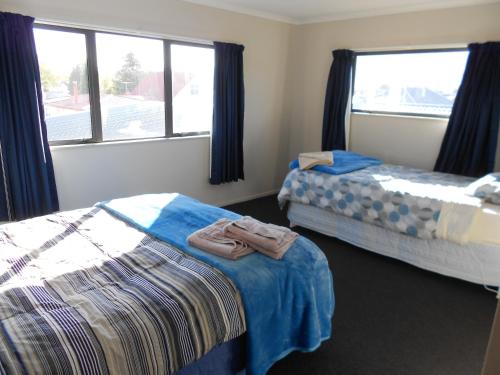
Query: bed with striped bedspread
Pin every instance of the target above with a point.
(82, 292)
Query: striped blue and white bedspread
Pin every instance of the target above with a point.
(82, 292)
(402, 199)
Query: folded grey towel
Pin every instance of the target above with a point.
(214, 240)
(269, 239)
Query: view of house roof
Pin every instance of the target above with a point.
(123, 118)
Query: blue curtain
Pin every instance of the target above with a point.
(470, 141)
(27, 183)
(336, 99)
(229, 107)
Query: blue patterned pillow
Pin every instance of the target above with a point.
(486, 188)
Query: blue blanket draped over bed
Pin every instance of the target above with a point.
(343, 162)
(288, 304)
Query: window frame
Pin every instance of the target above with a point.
(167, 43)
(397, 52)
(94, 90)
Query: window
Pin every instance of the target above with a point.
(419, 83)
(192, 87)
(100, 87)
(62, 58)
(131, 86)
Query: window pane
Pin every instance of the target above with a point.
(416, 83)
(131, 85)
(192, 88)
(63, 68)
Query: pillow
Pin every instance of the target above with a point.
(486, 188)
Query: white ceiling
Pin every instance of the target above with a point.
(308, 11)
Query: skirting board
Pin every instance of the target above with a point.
(248, 198)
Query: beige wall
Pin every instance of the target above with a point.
(411, 141)
(86, 174)
(286, 69)
(397, 139)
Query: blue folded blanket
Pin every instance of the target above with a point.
(343, 162)
(288, 303)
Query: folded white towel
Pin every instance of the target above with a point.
(476, 222)
(456, 221)
(307, 160)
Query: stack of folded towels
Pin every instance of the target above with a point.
(236, 238)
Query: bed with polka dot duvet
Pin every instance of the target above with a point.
(402, 199)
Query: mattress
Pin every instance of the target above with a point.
(225, 359)
(116, 289)
(405, 200)
(476, 263)
(81, 292)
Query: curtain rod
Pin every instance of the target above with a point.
(118, 30)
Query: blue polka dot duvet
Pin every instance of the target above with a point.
(402, 199)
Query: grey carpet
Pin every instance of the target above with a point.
(390, 317)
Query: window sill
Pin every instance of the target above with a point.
(396, 115)
(131, 141)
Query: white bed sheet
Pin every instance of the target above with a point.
(477, 263)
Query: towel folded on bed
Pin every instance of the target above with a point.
(234, 239)
(469, 221)
(214, 240)
(307, 160)
(345, 162)
(269, 239)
